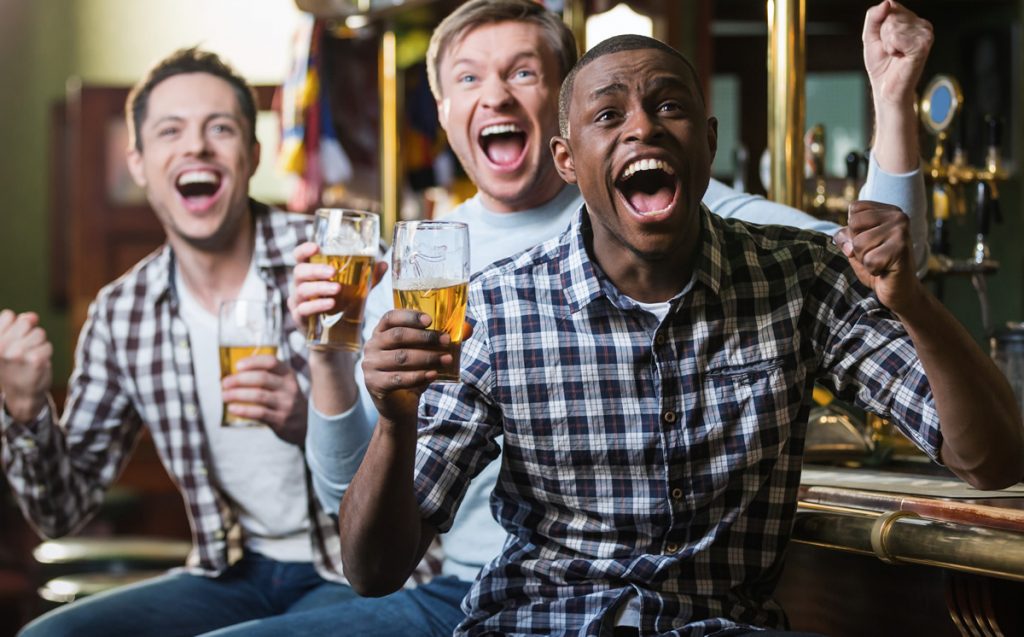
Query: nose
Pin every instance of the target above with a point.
(194, 141)
(642, 126)
(495, 93)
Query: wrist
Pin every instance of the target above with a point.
(23, 409)
(896, 148)
(332, 359)
(914, 306)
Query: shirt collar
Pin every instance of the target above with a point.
(584, 282)
(266, 253)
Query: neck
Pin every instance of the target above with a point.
(536, 196)
(215, 275)
(648, 278)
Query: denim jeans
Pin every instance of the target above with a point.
(181, 604)
(430, 610)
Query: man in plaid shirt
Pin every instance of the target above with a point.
(147, 358)
(651, 373)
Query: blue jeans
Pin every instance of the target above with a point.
(430, 610)
(181, 604)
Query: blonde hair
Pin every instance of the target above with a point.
(476, 13)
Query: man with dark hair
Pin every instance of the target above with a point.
(148, 359)
(650, 372)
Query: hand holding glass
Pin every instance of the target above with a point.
(430, 273)
(245, 328)
(348, 242)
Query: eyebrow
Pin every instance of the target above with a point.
(658, 83)
(515, 58)
(179, 118)
(608, 89)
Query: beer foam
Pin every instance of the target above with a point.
(429, 283)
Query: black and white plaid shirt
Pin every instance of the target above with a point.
(647, 459)
(133, 369)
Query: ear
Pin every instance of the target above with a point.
(561, 153)
(134, 160)
(442, 113)
(713, 136)
(255, 150)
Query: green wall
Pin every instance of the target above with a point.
(35, 45)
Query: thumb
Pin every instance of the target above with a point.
(844, 241)
(873, 22)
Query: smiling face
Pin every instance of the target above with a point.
(196, 160)
(499, 109)
(640, 147)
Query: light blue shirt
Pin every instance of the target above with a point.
(335, 445)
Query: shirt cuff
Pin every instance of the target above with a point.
(335, 446)
(27, 437)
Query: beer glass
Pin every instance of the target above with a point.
(245, 328)
(348, 241)
(430, 273)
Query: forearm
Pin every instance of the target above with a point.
(383, 535)
(983, 441)
(333, 388)
(42, 477)
(335, 446)
(896, 147)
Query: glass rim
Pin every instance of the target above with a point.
(346, 212)
(440, 223)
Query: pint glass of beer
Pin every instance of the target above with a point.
(430, 273)
(348, 241)
(245, 328)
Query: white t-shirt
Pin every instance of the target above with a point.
(262, 475)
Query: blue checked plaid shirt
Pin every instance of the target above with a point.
(654, 460)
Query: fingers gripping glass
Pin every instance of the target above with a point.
(430, 273)
(348, 242)
(245, 328)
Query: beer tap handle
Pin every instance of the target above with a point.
(993, 161)
(995, 131)
(853, 160)
(983, 208)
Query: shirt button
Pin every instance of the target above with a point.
(677, 493)
(659, 339)
(183, 345)
(671, 549)
(670, 416)
(190, 410)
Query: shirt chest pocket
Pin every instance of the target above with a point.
(743, 425)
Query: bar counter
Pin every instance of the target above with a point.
(909, 550)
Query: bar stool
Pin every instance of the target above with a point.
(81, 566)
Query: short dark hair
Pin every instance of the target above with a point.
(182, 61)
(617, 44)
(477, 13)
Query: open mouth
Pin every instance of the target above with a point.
(649, 186)
(504, 144)
(198, 187)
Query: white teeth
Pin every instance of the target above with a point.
(646, 164)
(499, 129)
(198, 177)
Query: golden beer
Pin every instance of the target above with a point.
(229, 357)
(341, 328)
(445, 303)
